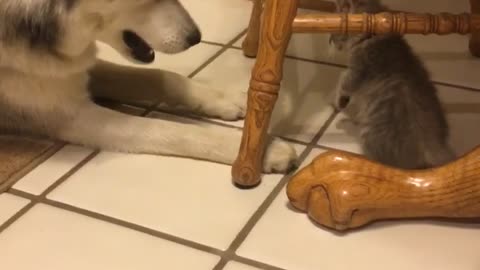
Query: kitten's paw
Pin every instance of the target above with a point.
(230, 107)
(280, 157)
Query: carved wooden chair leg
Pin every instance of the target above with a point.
(475, 38)
(264, 86)
(344, 191)
(321, 5)
(250, 43)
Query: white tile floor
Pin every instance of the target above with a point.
(116, 211)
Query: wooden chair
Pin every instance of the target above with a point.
(270, 42)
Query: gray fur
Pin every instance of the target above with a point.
(38, 24)
(387, 94)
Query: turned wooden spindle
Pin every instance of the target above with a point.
(251, 41)
(474, 44)
(387, 22)
(263, 92)
(344, 191)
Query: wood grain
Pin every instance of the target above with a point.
(474, 44)
(250, 43)
(321, 5)
(344, 191)
(387, 22)
(264, 86)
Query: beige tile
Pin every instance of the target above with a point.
(465, 132)
(183, 63)
(47, 173)
(18, 154)
(187, 198)
(10, 205)
(290, 240)
(302, 106)
(239, 266)
(219, 20)
(50, 238)
(463, 108)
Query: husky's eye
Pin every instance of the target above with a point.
(343, 101)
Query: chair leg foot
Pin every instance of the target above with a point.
(263, 91)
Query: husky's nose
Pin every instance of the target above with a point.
(194, 38)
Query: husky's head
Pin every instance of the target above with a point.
(68, 29)
(137, 27)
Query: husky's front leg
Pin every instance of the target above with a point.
(128, 84)
(105, 129)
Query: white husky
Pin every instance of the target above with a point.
(49, 73)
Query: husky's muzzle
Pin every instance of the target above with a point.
(139, 48)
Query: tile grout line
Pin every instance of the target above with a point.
(78, 166)
(124, 224)
(227, 125)
(35, 198)
(116, 221)
(215, 56)
(230, 253)
(226, 256)
(42, 198)
(32, 165)
(331, 64)
(223, 49)
(151, 108)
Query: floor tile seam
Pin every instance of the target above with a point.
(263, 208)
(32, 165)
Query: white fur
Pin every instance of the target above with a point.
(49, 95)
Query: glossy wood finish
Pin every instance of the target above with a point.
(250, 43)
(321, 5)
(279, 21)
(384, 23)
(344, 191)
(474, 44)
(264, 86)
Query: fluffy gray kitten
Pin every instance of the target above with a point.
(387, 95)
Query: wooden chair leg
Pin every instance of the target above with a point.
(321, 5)
(264, 86)
(250, 43)
(474, 44)
(344, 191)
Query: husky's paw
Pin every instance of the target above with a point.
(280, 157)
(227, 106)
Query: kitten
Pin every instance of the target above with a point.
(387, 94)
